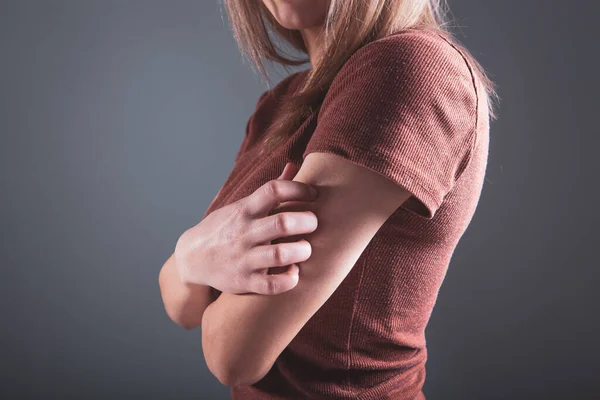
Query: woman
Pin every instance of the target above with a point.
(327, 293)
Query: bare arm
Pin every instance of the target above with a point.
(184, 302)
(216, 253)
(242, 335)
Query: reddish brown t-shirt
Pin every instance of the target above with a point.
(409, 107)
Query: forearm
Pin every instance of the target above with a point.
(184, 303)
(232, 355)
(235, 346)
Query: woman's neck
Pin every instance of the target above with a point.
(313, 40)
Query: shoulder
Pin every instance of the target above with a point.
(414, 70)
(270, 100)
(411, 55)
(417, 45)
(283, 86)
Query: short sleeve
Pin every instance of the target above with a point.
(405, 107)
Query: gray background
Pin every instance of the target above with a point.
(120, 121)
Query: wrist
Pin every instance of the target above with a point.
(185, 259)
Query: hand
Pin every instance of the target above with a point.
(231, 250)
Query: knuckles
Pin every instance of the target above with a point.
(284, 223)
(273, 189)
(271, 286)
(280, 255)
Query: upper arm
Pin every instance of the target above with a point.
(352, 205)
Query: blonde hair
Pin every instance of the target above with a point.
(349, 25)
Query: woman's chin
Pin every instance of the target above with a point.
(291, 20)
(298, 16)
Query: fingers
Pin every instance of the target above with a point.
(275, 192)
(289, 171)
(277, 255)
(262, 283)
(289, 223)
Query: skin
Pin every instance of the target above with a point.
(230, 251)
(244, 333)
(308, 16)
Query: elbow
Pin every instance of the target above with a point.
(177, 317)
(226, 376)
(233, 375)
(225, 372)
(221, 366)
(184, 323)
(177, 313)
(187, 325)
(249, 379)
(175, 308)
(230, 366)
(241, 377)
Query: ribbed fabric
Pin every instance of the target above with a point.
(408, 107)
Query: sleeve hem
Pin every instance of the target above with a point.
(395, 171)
